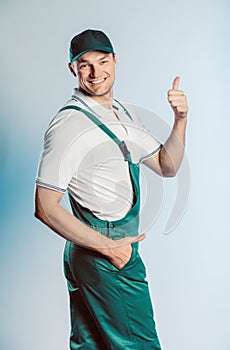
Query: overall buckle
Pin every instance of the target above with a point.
(124, 150)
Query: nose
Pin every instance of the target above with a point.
(95, 71)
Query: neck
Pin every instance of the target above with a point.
(105, 100)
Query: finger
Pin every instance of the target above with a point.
(181, 98)
(175, 92)
(175, 84)
(179, 107)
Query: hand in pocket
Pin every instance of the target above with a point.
(120, 253)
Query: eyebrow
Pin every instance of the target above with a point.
(82, 60)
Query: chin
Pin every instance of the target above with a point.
(99, 92)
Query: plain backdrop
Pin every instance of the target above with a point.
(188, 268)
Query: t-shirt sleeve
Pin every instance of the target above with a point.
(143, 144)
(58, 159)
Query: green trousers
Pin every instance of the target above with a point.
(110, 308)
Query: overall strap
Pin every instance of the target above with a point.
(103, 127)
(126, 111)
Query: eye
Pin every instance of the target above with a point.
(83, 66)
(104, 62)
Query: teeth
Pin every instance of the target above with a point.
(98, 81)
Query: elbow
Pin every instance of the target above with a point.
(37, 213)
(38, 208)
(167, 168)
(40, 215)
(168, 174)
(44, 209)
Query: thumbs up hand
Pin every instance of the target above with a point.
(177, 100)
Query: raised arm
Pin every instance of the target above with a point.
(168, 160)
(52, 214)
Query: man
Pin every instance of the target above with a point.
(93, 148)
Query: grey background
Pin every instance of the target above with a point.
(188, 269)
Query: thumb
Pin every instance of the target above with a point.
(175, 84)
(139, 237)
(128, 240)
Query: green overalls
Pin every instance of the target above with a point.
(110, 308)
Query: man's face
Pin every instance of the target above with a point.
(96, 73)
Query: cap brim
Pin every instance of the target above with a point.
(104, 49)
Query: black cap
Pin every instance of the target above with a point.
(89, 40)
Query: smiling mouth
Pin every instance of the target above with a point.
(99, 81)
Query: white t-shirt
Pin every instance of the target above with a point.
(81, 158)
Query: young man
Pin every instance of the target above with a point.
(93, 149)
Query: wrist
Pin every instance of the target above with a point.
(106, 247)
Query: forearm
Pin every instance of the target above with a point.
(68, 226)
(52, 214)
(171, 154)
(72, 229)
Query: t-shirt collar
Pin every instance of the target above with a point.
(88, 101)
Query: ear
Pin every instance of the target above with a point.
(115, 59)
(71, 68)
